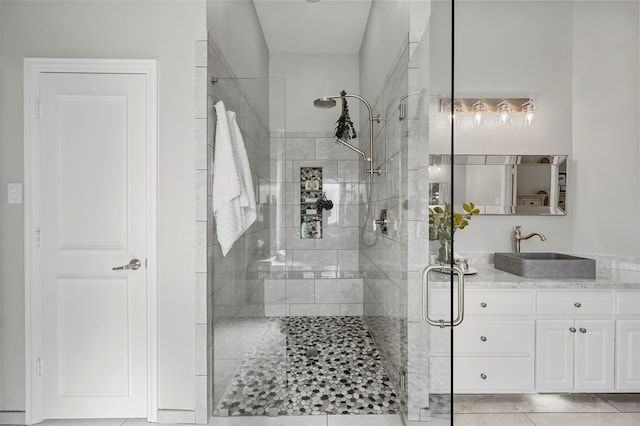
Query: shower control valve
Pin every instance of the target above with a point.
(383, 222)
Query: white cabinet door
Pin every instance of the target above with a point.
(594, 356)
(628, 355)
(554, 355)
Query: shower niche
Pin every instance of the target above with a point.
(312, 202)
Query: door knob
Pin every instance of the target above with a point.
(134, 264)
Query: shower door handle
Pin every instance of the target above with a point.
(425, 298)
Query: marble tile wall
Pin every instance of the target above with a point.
(231, 289)
(313, 297)
(392, 263)
(419, 108)
(203, 381)
(332, 261)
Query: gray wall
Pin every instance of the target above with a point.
(163, 30)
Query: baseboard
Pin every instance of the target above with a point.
(12, 418)
(177, 416)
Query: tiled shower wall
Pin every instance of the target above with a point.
(234, 284)
(392, 264)
(314, 276)
(386, 259)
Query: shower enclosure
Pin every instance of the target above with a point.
(292, 297)
(334, 325)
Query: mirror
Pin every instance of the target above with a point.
(501, 184)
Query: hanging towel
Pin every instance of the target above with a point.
(234, 204)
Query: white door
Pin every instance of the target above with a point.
(594, 355)
(92, 214)
(554, 355)
(627, 355)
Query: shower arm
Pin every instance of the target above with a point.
(371, 170)
(353, 148)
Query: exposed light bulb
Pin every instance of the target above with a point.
(479, 113)
(529, 110)
(453, 112)
(504, 114)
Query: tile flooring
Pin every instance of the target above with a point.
(469, 410)
(331, 367)
(322, 420)
(547, 410)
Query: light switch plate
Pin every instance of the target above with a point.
(14, 193)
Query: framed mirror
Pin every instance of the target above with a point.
(501, 184)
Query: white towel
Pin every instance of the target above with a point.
(234, 204)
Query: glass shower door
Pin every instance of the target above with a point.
(249, 347)
(438, 305)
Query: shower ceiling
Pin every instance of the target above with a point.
(325, 26)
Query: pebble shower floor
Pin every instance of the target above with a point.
(330, 366)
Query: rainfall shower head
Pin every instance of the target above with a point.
(325, 102)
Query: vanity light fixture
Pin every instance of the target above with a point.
(529, 110)
(479, 110)
(504, 114)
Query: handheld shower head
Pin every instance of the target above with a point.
(324, 102)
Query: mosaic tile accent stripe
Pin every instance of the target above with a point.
(311, 366)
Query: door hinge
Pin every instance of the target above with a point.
(38, 108)
(39, 367)
(38, 238)
(146, 264)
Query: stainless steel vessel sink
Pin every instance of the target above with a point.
(545, 265)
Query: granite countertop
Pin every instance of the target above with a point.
(489, 277)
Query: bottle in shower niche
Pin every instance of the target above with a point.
(304, 229)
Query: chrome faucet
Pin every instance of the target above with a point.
(517, 236)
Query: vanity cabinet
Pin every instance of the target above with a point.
(493, 346)
(628, 340)
(574, 355)
(575, 346)
(539, 340)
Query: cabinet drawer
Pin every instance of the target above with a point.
(494, 337)
(493, 374)
(628, 302)
(498, 302)
(575, 302)
(482, 303)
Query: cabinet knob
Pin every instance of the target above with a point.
(483, 338)
(483, 304)
(572, 329)
(577, 304)
(583, 330)
(483, 376)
